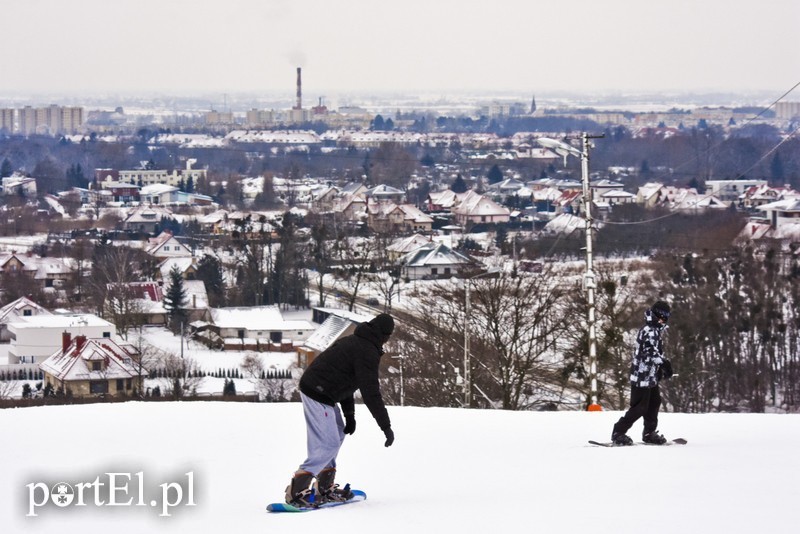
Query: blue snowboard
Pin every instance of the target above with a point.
(358, 496)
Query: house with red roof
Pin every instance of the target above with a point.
(85, 367)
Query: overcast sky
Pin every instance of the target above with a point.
(527, 46)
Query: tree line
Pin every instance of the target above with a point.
(733, 338)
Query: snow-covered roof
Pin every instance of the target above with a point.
(475, 204)
(407, 244)
(157, 189)
(332, 329)
(76, 362)
(791, 204)
(61, 321)
(183, 263)
(12, 310)
(617, 193)
(275, 137)
(565, 223)
(435, 254)
(255, 318)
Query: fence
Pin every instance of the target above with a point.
(24, 371)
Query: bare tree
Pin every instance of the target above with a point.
(8, 388)
(517, 325)
(123, 309)
(356, 258)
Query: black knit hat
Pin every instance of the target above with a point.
(383, 323)
(661, 310)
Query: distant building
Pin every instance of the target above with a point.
(142, 177)
(19, 185)
(219, 118)
(787, 110)
(7, 120)
(731, 190)
(52, 120)
(256, 118)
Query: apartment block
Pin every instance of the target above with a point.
(52, 120)
(787, 110)
(7, 120)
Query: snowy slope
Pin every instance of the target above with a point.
(449, 471)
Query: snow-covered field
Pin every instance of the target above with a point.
(450, 470)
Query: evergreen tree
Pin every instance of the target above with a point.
(209, 271)
(495, 175)
(6, 169)
(75, 177)
(190, 185)
(459, 185)
(777, 173)
(175, 299)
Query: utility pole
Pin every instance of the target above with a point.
(564, 149)
(590, 281)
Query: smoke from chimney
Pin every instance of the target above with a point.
(299, 90)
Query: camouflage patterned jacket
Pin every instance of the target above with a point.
(649, 353)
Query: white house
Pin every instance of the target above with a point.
(258, 328)
(476, 208)
(19, 185)
(158, 194)
(782, 212)
(35, 338)
(19, 309)
(146, 218)
(434, 261)
(166, 246)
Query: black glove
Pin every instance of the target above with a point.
(666, 370)
(349, 423)
(389, 436)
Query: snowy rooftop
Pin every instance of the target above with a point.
(256, 318)
(61, 321)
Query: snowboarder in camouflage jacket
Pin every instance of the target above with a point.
(648, 367)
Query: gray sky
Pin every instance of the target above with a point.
(528, 46)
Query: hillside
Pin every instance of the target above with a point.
(449, 471)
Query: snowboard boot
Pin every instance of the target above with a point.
(298, 492)
(327, 491)
(620, 438)
(654, 438)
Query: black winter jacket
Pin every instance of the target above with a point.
(349, 364)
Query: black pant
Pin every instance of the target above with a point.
(645, 402)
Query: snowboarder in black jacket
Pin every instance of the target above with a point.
(648, 367)
(350, 364)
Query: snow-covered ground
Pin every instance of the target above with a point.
(449, 470)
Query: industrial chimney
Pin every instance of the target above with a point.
(299, 90)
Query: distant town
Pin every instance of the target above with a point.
(269, 233)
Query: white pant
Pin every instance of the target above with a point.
(325, 434)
